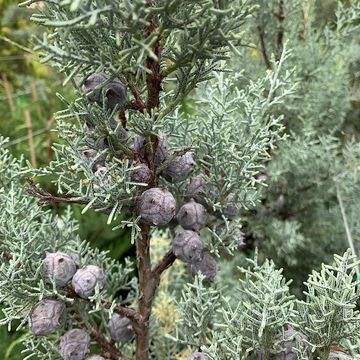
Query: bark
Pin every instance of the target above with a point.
(147, 287)
(148, 283)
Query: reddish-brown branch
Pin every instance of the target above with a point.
(263, 48)
(48, 198)
(130, 313)
(148, 279)
(154, 78)
(165, 263)
(135, 106)
(108, 348)
(122, 117)
(139, 103)
(147, 288)
(148, 283)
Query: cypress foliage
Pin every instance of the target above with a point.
(243, 106)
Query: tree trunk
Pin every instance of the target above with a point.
(148, 283)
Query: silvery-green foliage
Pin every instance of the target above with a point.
(241, 124)
(226, 237)
(261, 320)
(328, 315)
(197, 307)
(27, 232)
(261, 309)
(193, 43)
(300, 204)
(237, 120)
(189, 55)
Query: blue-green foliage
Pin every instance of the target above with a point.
(26, 233)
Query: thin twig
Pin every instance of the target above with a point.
(24, 138)
(7, 89)
(108, 348)
(48, 198)
(128, 312)
(263, 48)
(122, 118)
(164, 263)
(50, 150)
(346, 226)
(139, 103)
(280, 36)
(31, 138)
(35, 97)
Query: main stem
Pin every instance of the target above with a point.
(147, 288)
(148, 283)
(149, 279)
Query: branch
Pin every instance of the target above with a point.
(164, 263)
(147, 288)
(346, 226)
(263, 48)
(48, 198)
(154, 78)
(108, 348)
(280, 36)
(122, 117)
(130, 313)
(307, 10)
(148, 283)
(139, 103)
